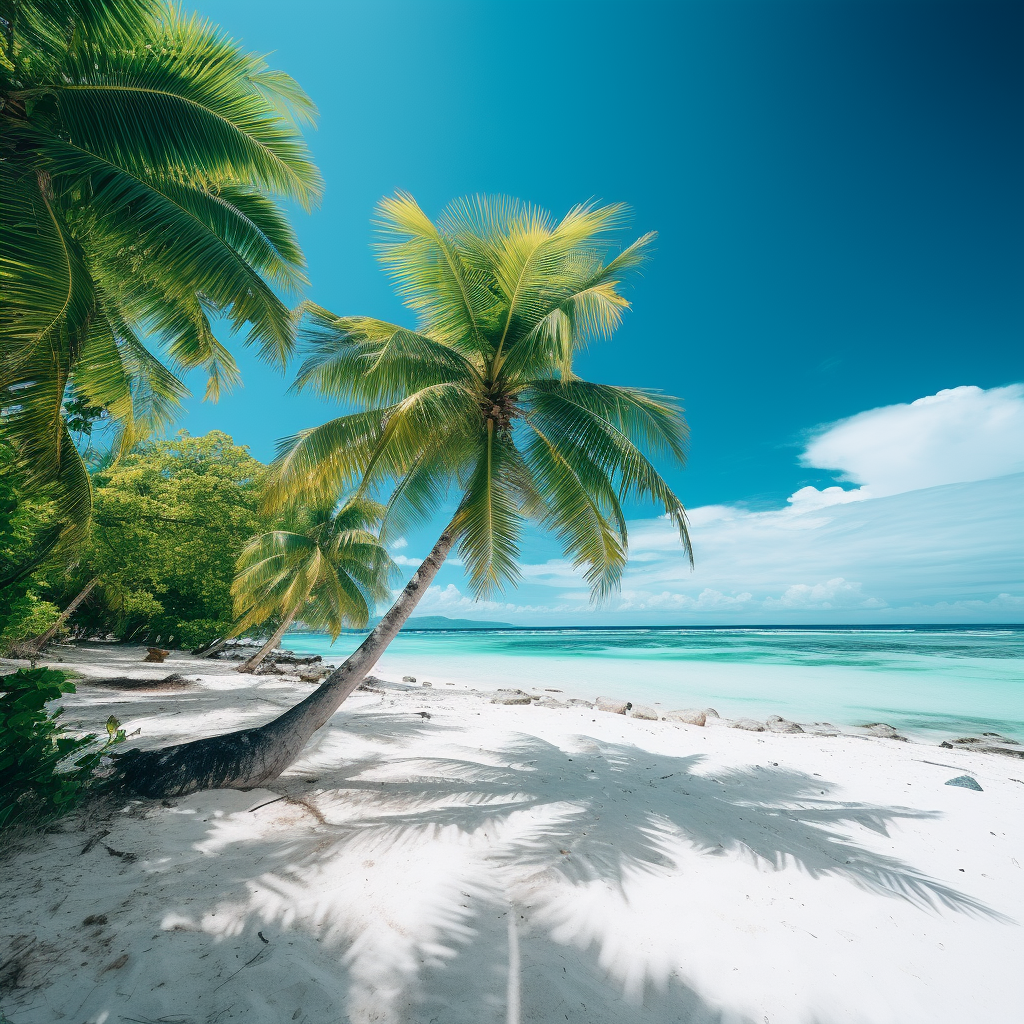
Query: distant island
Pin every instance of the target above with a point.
(425, 622)
(443, 622)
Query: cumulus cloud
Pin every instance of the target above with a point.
(397, 545)
(949, 552)
(837, 593)
(450, 600)
(955, 436)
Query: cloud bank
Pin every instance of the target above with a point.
(931, 532)
(955, 436)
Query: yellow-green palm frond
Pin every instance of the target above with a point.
(481, 400)
(325, 565)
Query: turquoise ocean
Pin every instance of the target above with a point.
(924, 680)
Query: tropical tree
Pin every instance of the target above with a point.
(324, 565)
(479, 403)
(143, 155)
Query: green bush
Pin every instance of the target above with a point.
(44, 772)
(200, 632)
(23, 617)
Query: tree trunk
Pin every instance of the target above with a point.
(41, 641)
(209, 650)
(254, 757)
(251, 664)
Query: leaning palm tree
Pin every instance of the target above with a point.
(142, 156)
(325, 566)
(476, 408)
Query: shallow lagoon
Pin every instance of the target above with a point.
(921, 679)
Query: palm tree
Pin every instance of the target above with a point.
(478, 404)
(323, 565)
(142, 157)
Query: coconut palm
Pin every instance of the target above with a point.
(477, 407)
(142, 157)
(325, 566)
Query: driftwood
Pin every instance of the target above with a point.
(156, 654)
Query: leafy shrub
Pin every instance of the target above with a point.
(44, 772)
(200, 632)
(23, 615)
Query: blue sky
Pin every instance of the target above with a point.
(837, 188)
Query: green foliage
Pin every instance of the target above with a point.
(44, 772)
(325, 565)
(146, 160)
(170, 521)
(24, 519)
(481, 398)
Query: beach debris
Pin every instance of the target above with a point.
(117, 964)
(648, 714)
(776, 723)
(504, 696)
(95, 919)
(551, 689)
(313, 675)
(749, 724)
(410, 679)
(614, 707)
(426, 684)
(156, 654)
(884, 731)
(268, 668)
(423, 714)
(711, 713)
(172, 682)
(687, 716)
(965, 782)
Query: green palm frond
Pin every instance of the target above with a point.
(481, 398)
(327, 565)
(145, 159)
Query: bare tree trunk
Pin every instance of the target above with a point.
(41, 641)
(251, 664)
(254, 757)
(209, 650)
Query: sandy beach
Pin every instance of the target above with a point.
(436, 857)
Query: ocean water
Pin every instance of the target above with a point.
(923, 680)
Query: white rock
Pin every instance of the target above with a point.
(688, 716)
(748, 724)
(615, 707)
(644, 712)
(776, 723)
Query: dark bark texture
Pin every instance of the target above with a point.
(253, 757)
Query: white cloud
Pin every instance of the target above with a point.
(450, 600)
(837, 593)
(397, 545)
(958, 435)
(944, 552)
(407, 560)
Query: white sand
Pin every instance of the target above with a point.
(507, 864)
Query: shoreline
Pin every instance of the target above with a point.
(432, 852)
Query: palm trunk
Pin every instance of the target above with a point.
(251, 664)
(41, 641)
(254, 757)
(211, 649)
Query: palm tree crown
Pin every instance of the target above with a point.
(326, 566)
(482, 395)
(141, 152)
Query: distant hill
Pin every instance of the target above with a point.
(443, 622)
(425, 622)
